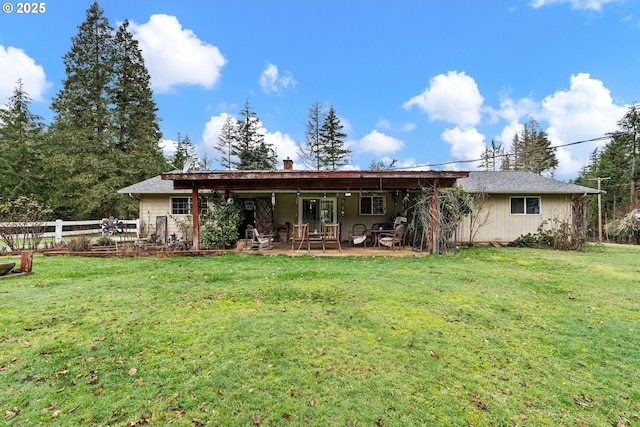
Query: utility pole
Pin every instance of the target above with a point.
(599, 179)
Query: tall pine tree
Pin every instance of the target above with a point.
(250, 149)
(81, 135)
(310, 151)
(332, 142)
(531, 151)
(492, 157)
(226, 139)
(21, 139)
(105, 133)
(135, 112)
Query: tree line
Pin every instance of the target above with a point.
(105, 132)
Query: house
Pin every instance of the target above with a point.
(275, 200)
(510, 204)
(514, 203)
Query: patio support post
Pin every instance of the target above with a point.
(196, 218)
(435, 219)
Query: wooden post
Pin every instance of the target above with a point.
(435, 219)
(26, 261)
(600, 209)
(196, 219)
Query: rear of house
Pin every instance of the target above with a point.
(510, 204)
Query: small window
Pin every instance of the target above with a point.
(180, 205)
(372, 205)
(525, 206)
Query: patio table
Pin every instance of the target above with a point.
(375, 233)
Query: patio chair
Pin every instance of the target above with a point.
(399, 220)
(300, 236)
(262, 241)
(358, 235)
(331, 234)
(390, 240)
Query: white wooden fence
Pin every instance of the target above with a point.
(58, 229)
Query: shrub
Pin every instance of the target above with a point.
(26, 222)
(79, 244)
(104, 241)
(220, 223)
(559, 235)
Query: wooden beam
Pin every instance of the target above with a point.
(196, 218)
(435, 219)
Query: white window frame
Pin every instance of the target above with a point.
(525, 205)
(381, 206)
(188, 206)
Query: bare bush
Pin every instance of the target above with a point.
(79, 244)
(24, 222)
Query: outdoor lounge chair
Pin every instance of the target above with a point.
(394, 238)
(262, 242)
(358, 235)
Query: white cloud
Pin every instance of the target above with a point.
(453, 97)
(511, 110)
(16, 65)
(508, 132)
(386, 124)
(283, 144)
(168, 146)
(575, 4)
(212, 130)
(272, 82)
(176, 56)
(466, 144)
(379, 144)
(383, 123)
(583, 112)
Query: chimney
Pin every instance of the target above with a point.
(288, 164)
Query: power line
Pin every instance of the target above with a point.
(453, 162)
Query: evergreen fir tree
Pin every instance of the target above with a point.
(138, 131)
(81, 139)
(250, 148)
(105, 133)
(21, 138)
(226, 140)
(311, 151)
(492, 157)
(184, 150)
(332, 142)
(531, 150)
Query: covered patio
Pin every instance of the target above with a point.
(293, 184)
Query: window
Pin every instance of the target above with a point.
(525, 206)
(372, 205)
(180, 205)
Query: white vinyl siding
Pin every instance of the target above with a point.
(503, 227)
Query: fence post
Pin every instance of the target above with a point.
(58, 237)
(138, 228)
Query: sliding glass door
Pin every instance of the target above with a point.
(316, 212)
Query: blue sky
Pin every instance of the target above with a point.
(429, 83)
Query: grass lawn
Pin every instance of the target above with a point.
(490, 337)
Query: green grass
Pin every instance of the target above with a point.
(490, 337)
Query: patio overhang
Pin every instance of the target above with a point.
(290, 180)
(311, 180)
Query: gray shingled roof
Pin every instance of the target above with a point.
(511, 182)
(155, 185)
(502, 182)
